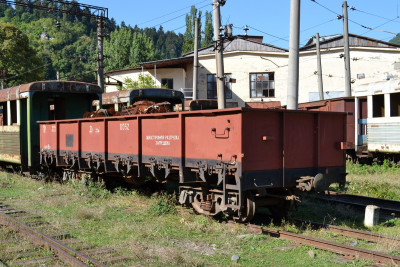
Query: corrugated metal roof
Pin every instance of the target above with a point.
(333, 41)
(165, 63)
(241, 43)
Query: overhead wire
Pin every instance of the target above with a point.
(330, 10)
(371, 14)
(173, 12)
(67, 77)
(200, 18)
(277, 37)
(359, 24)
(28, 71)
(376, 28)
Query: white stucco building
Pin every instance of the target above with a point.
(258, 72)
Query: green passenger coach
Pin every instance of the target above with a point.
(22, 106)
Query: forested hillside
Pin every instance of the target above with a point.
(36, 44)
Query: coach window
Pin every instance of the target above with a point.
(378, 106)
(13, 112)
(262, 84)
(3, 115)
(212, 86)
(167, 83)
(395, 105)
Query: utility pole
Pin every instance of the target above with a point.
(347, 75)
(196, 59)
(3, 74)
(219, 47)
(293, 75)
(319, 66)
(100, 56)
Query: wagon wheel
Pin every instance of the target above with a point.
(250, 209)
(281, 211)
(208, 208)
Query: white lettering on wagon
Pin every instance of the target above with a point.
(91, 130)
(44, 128)
(124, 126)
(53, 129)
(162, 140)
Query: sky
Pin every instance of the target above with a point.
(270, 19)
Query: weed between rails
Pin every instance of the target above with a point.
(376, 180)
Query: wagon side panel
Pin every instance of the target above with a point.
(213, 138)
(48, 142)
(161, 139)
(331, 133)
(123, 142)
(93, 138)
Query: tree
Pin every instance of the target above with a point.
(142, 49)
(395, 40)
(208, 31)
(117, 49)
(17, 58)
(144, 81)
(188, 37)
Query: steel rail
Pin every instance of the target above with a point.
(67, 254)
(348, 251)
(364, 235)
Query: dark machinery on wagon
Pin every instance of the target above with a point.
(225, 161)
(121, 100)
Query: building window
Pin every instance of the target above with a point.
(212, 86)
(262, 84)
(167, 83)
(378, 106)
(395, 105)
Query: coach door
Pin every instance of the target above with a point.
(56, 108)
(362, 121)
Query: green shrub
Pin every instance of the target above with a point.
(375, 168)
(163, 204)
(90, 189)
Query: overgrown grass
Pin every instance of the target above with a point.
(363, 169)
(163, 204)
(154, 231)
(376, 180)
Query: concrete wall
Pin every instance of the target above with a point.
(375, 65)
(177, 74)
(240, 65)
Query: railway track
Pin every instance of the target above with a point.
(24, 244)
(349, 252)
(388, 207)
